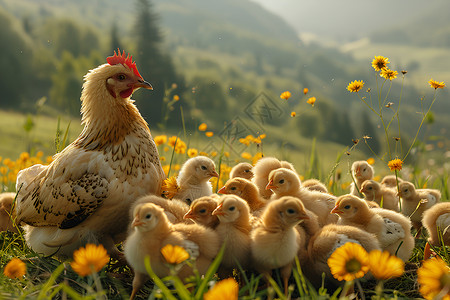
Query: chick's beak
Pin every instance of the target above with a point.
(223, 190)
(336, 210)
(136, 222)
(218, 211)
(214, 174)
(270, 185)
(141, 83)
(189, 215)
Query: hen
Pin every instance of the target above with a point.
(361, 171)
(86, 193)
(242, 170)
(261, 172)
(392, 229)
(373, 191)
(6, 212)
(152, 231)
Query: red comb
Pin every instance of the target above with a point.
(124, 60)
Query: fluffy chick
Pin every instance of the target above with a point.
(437, 220)
(242, 170)
(410, 198)
(373, 191)
(262, 169)
(314, 185)
(327, 240)
(285, 182)
(201, 211)
(392, 229)
(6, 212)
(234, 230)
(152, 231)
(174, 209)
(276, 242)
(193, 179)
(390, 181)
(361, 171)
(248, 191)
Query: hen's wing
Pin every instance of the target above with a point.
(65, 193)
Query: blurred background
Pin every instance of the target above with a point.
(228, 62)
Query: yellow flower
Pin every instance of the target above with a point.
(213, 153)
(170, 187)
(209, 133)
(311, 101)
(49, 159)
(160, 139)
(246, 155)
(384, 266)
(305, 91)
(258, 139)
(226, 153)
(3, 170)
(257, 157)
(433, 277)
(180, 147)
(192, 152)
(174, 254)
(370, 160)
(244, 141)
(349, 262)
(436, 85)
(395, 164)
(166, 169)
(24, 156)
(176, 98)
(15, 268)
(285, 95)
(388, 74)
(226, 289)
(90, 259)
(355, 86)
(293, 114)
(379, 62)
(39, 154)
(202, 127)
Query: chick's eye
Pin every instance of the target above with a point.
(347, 206)
(281, 181)
(148, 216)
(121, 77)
(246, 171)
(232, 208)
(364, 169)
(290, 211)
(233, 188)
(203, 167)
(202, 211)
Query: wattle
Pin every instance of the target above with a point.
(126, 93)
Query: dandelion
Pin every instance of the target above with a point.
(192, 152)
(170, 187)
(174, 254)
(349, 262)
(395, 164)
(355, 86)
(371, 160)
(90, 259)
(172, 141)
(209, 133)
(202, 127)
(176, 98)
(384, 266)
(160, 139)
(380, 62)
(311, 101)
(434, 279)
(246, 155)
(436, 84)
(285, 95)
(305, 91)
(293, 114)
(15, 269)
(226, 289)
(388, 74)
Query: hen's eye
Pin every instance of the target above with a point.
(121, 77)
(148, 216)
(231, 208)
(203, 167)
(281, 181)
(290, 211)
(202, 211)
(347, 206)
(233, 188)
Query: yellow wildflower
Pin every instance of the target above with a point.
(174, 254)
(226, 289)
(258, 139)
(90, 259)
(244, 141)
(192, 152)
(202, 127)
(355, 86)
(226, 154)
(203, 153)
(170, 187)
(379, 62)
(285, 95)
(246, 155)
(209, 133)
(383, 265)
(15, 269)
(388, 74)
(436, 84)
(213, 153)
(166, 169)
(395, 164)
(293, 114)
(311, 101)
(160, 139)
(176, 98)
(370, 160)
(349, 262)
(305, 91)
(257, 157)
(434, 277)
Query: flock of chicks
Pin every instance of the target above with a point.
(105, 188)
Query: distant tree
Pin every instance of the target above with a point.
(115, 40)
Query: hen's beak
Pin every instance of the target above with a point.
(336, 210)
(214, 174)
(223, 190)
(270, 185)
(218, 211)
(189, 215)
(136, 222)
(142, 84)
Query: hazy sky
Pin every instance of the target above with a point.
(347, 19)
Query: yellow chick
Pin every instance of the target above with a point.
(201, 211)
(276, 242)
(175, 209)
(314, 185)
(326, 241)
(392, 229)
(152, 231)
(390, 181)
(416, 201)
(193, 179)
(361, 171)
(234, 230)
(437, 221)
(6, 212)
(261, 172)
(242, 170)
(373, 191)
(285, 182)
(248, 191)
